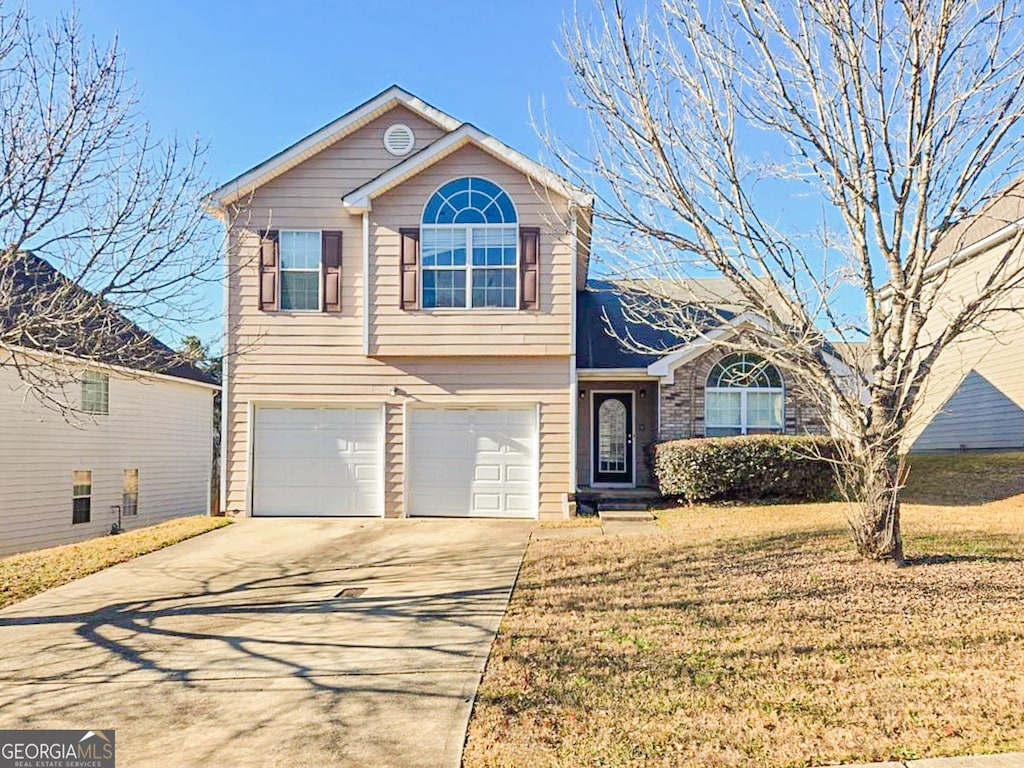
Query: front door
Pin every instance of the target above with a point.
(613, 437)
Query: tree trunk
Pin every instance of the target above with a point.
(875, 517)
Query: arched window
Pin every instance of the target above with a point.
(469, 246)
(744, 396)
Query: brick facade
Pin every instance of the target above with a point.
(682, 402)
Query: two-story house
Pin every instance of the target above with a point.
(411, 332)
(103, 426)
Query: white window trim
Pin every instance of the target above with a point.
(76, 496)
(469, 266)
(125, 494)
(101, 379)
(319, 272)
(744, 426)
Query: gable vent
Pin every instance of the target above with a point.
(399, 139)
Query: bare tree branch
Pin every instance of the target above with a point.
(820, 157)
(85, 186)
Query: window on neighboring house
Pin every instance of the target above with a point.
(744, 396)
(130, 492)
(81, 496)
(95, 392)
(469, 246)
(300, 270)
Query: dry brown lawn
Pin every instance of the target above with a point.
(755, 636)
(30, 573)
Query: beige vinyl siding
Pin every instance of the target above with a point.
(162, 428)
(394, 331)
(309, 193)
(993, 356)
(351, 379)
(295, 357)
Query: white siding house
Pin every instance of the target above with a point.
(161, 427)
(113, 428)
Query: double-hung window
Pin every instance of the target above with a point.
(300, 270)
(130, 492)
(744, 396)
(469, 246)
(81, 496)
(95, 393)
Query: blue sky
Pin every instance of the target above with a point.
(251, 78)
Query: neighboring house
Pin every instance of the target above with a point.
(975, 396)
(411, 332)
(137, 438)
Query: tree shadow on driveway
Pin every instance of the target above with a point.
(250, 645)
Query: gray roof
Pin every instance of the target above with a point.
(604, 333)
(104, 336)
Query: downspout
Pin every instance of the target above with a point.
(225, 380)
(366, 283)
(573, 378)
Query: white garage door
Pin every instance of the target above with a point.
(472, 462)
(318, 462)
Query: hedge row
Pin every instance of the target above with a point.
(746, 468)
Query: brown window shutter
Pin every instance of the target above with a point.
(270, 267)
(410, 268)
(330, 254)
(529, 267)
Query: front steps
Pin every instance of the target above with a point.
(623, 504)
(624, 515)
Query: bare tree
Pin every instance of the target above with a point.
(819, 155)
(99, 221)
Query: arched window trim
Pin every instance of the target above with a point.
(743, 427)
(508, 296)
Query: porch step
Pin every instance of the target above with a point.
(622, 505)
(631, 515)
(623, 501)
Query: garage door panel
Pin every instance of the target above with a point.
(367, 474)
(488, 473)
(487, 502)
(488, 444)
(286, 418)
(519, 502)
(472, 462)
(317, 461)
(518, 474)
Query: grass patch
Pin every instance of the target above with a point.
(755, 636)
(29, 573)
(952, 479)
(580, 521)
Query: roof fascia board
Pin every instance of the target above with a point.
(665, 367)
(966, 253)
(329, 134)
(360, 200)
(621, 374)
(137, 373)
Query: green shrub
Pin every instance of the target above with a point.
(746, 468)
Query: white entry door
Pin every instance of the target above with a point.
(318, 462)
(472, 462)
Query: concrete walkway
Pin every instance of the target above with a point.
(1006, 760)
(241, 648)
(607, 528)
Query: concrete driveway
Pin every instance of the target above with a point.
(235, 649)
